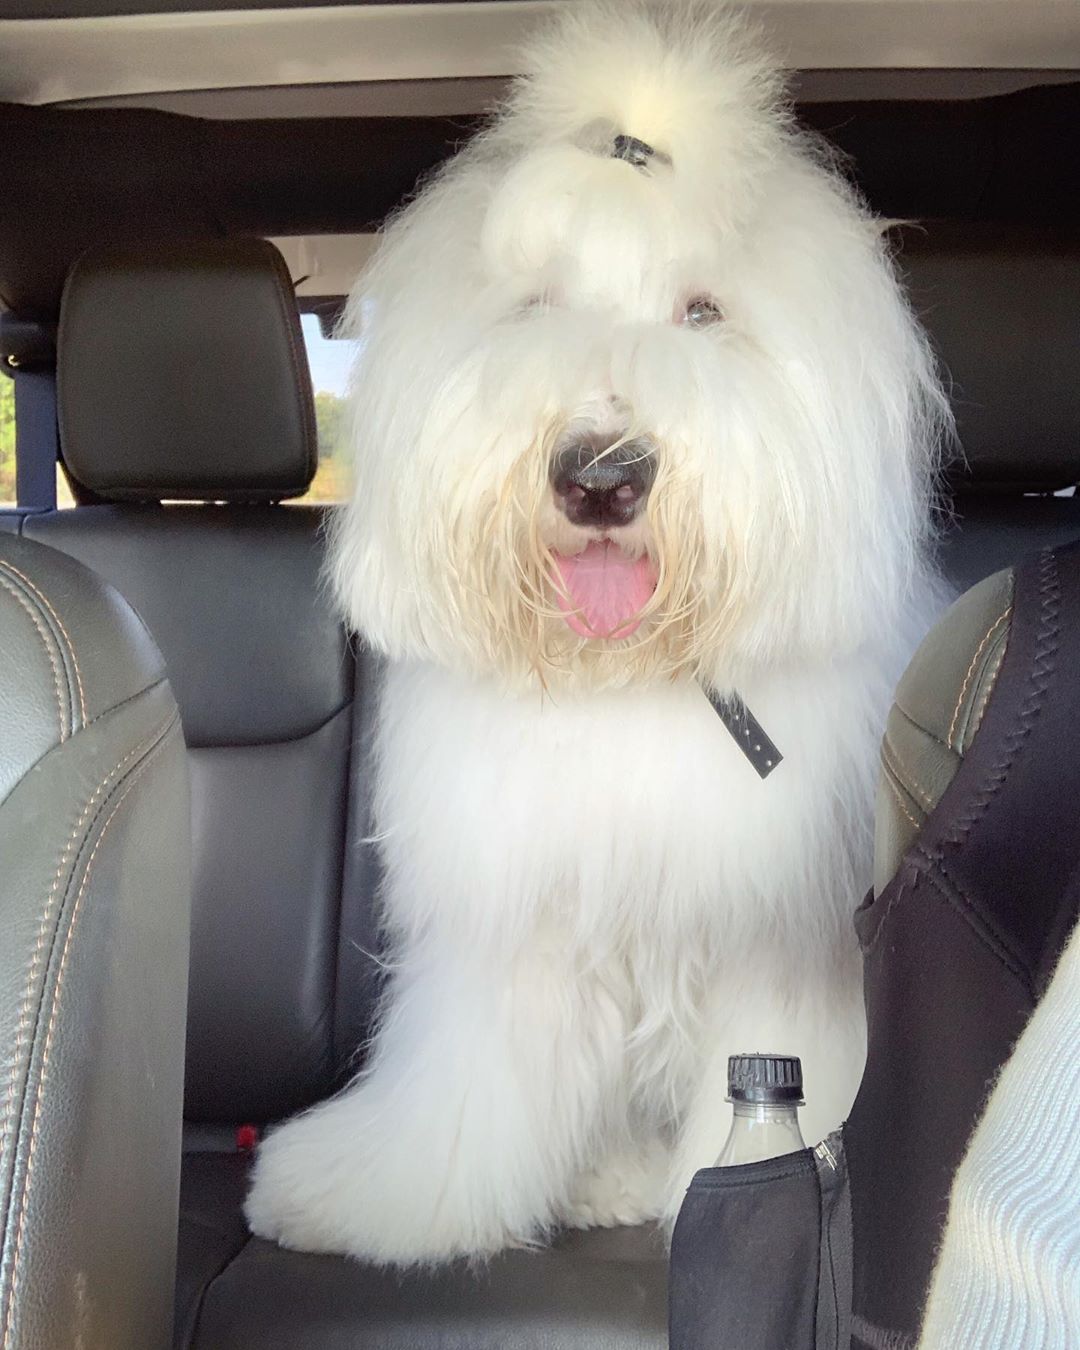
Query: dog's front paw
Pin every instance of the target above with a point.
(628, 1189)
(348, 1179)
(296, 1197)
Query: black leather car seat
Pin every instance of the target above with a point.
(195, 388)
(94, 903)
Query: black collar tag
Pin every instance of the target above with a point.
(748, 733)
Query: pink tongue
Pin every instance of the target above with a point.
(606, 590)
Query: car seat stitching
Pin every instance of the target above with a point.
(892, 758)
(928, 860)
(879, 920)
(8, 567)
(25, 602)
(971, 671)
(897, 707)
(887, 776)
(1040, 674)
(123, 702)
(43, 932)
(982, 925)
(923, 867)
(979, 707)
(57, 995)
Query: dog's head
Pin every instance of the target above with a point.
(638, 393)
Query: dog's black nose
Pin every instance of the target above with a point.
(600, 486)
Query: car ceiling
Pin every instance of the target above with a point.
(139, 50)
(141, 175)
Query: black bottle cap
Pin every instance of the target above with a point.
(771, 1080)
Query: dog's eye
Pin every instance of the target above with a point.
(702, 312)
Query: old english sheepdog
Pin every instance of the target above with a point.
(645, 438)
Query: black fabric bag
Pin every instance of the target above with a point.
(761, 1256)
(801, 1253)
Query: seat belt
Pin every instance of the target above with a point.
(37, 439)
(28, 352)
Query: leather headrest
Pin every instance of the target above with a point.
(181, 374)
(1002, 308)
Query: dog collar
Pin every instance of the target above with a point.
(747, 732)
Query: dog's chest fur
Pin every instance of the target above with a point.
(625, 818)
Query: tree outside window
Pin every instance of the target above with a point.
(7, 441)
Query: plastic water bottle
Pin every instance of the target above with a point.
(765, 1092)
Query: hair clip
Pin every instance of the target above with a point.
(635, 152)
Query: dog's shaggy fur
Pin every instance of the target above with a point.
(591, 900)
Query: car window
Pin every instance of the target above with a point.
(329, 359)
(7, 453)
(7, 442)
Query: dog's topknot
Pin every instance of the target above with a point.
(693, 81)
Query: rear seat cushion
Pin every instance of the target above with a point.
(605, 1289)
(212, 1231)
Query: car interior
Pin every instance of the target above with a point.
(181, 186)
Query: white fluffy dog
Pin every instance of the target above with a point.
(640, 413)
